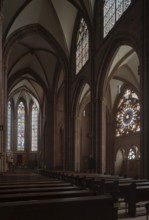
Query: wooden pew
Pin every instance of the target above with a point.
(19, 182)
(44, 195)
(106, 186)
(147, 210)
(90, 207)
(38, 189)
(123, 188)
(136, 194)
(34, 185)
(15, 177)
(120, 188)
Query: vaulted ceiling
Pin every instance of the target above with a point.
(37, 42)
(37, 38)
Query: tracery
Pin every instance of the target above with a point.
(128, 114)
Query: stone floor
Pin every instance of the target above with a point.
(141, 215)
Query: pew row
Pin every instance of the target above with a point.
(49, 184)
(44, 195)
(38, 189)
(28, 182)
(90, 207)
(147, 210)
(135, 195)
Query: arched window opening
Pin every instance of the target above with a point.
(9, 120)
(82, 46)
(131, 154)
(128, 114)
(21, 127)
(34, 136)
(113, 10)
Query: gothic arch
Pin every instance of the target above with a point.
(116, 61)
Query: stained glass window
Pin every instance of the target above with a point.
(128, 114)
(82, 46)
(9, 125)
(21, 127)
(113, 10)
(119, 9)
(131, 154)
(34, 128)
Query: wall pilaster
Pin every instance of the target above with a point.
(2, 105)
(144, 77)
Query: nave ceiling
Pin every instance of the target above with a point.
(37, 39)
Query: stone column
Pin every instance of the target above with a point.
(2, 103)
(144, 77)
(101, 135)
(97, 135)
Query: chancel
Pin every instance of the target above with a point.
(74, 112)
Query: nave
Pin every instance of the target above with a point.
(70, 91)
(37, 195)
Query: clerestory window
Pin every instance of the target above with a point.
(82, 46)
(113, 10)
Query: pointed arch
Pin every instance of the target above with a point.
(117, 62)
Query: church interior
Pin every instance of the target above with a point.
(73, 97)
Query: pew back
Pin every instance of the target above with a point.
(92, 207)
